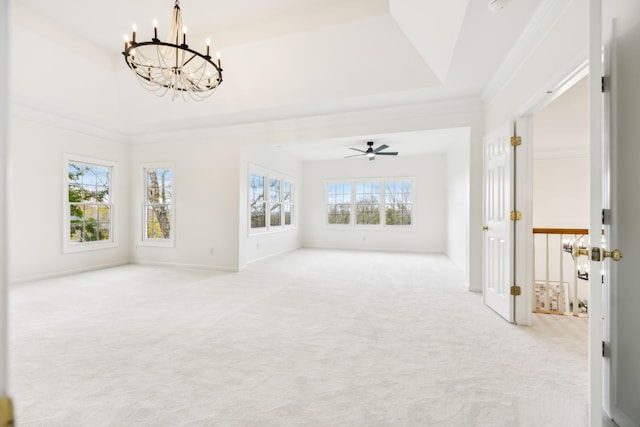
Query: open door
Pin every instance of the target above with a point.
(6, 409)
(498, 229)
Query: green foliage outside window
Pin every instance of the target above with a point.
(89, 204)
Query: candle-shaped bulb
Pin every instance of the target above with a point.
(134, 28)
(218, 56)
(155, 28)
(184, 35)
(126, 42)
(208, 42)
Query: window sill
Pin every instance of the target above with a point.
(70, 248)
(157, 243)
(272, 230)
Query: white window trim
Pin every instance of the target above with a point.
(154, 242)
(352, 220)
(74, 247)
(269, 174)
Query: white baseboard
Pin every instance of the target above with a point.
(63, 273)
(187, 265)
(246, 264)
(373, 249)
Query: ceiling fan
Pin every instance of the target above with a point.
(371, 152)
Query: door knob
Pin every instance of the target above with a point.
(598, 254)
(576, 251)
(485, 228)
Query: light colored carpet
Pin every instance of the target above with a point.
(310, 338)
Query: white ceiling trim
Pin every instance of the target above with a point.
(540, 24)
(24, 112)
(354, 123)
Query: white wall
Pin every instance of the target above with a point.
(206, 198)
(56, 71)
(428, 233)
(561, 160)
(36, 200)
(261, 245)
(458, 205)
(559, 200)
(626, 291)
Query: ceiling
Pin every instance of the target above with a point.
(283, 59)
(405, 143)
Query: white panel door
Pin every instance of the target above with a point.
(498, 230)
(596, 170)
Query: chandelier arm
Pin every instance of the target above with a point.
(175, 78)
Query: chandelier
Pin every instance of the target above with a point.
(171, 65)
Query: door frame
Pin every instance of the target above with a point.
(524, 191)
(598, 396)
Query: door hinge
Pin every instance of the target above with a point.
(516, 290)
(603, 84)
(515, 141)
(6, 411)
(516, 215)
(604, 349)
(606, 216)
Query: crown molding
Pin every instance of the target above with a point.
(41, 116)
(282, 129)
(540, 24)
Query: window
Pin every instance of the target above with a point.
(257, 202)
(365, 199)
(367, 203)
(339, 204)
(158, 204)
(271, 201)
(287, 202)
(89, 206)
(275, 206)
(398, 203)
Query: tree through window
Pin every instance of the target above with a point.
(89, 188)
(158, 206)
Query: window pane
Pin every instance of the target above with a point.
(276, 216)
(338, 203)
(398, 206)
(158, 203)
(287, 191)
(368, 203)
(89, 202)
(158, 221)
(288, 214)
(258, 215)
(274, 190)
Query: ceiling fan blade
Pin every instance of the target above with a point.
(382, 147)
(355, 149)
(390, 153)
(355, 155)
